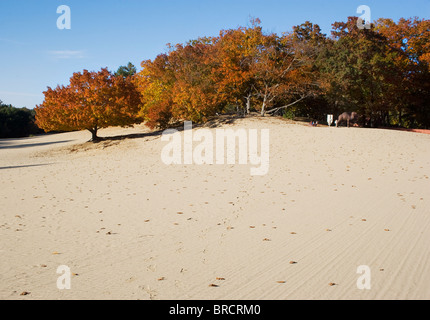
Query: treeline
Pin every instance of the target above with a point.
(17, 122)
(383, 73)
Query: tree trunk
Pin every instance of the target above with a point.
(263, 108)
(248, 104)
(94, 137)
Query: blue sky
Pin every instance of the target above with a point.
(35, 54)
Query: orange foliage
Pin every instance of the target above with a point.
(91, 101)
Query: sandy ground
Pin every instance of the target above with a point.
(130, 227)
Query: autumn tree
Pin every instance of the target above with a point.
(236, 55)
(92, 100)
(155, 83)
(271, 71)
(286, 68)
(410, 40)
(195, 92)
(180, 85)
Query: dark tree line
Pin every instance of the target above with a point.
(17, 122)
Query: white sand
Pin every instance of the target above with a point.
(61, 197)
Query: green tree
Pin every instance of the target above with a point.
(126, 71)
(359, 71)
(16, 122)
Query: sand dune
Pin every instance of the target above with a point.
(131, 227)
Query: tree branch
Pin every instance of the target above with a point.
(283, 107)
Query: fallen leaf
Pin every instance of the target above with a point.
(25, 293)
(221, 279)
(331, 284)
(281, 281)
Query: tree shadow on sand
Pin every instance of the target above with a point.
(26, 166)
(211, 124)
(5, 145)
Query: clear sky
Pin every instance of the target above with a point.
(35, 54)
